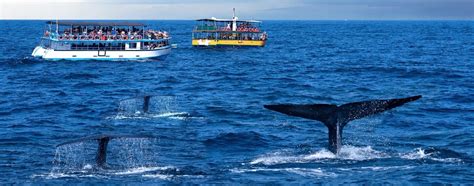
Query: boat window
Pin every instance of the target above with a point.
(133, 45)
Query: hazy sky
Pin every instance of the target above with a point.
(246, 9)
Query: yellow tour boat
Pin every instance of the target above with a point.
(228, 32)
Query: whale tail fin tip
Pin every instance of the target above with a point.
(357, 110)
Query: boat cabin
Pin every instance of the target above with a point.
(228, 32)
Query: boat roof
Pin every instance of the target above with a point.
(95, 23)
(228, 20)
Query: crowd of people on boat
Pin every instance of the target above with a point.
(107, 33)
(242, 27)
(247, 27)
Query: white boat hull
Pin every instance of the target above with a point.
(51, 54)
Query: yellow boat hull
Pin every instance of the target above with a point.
(207, 42)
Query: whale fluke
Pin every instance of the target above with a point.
(103, 141)
(336, 117)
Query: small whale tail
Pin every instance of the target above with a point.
(103, 141)
(146, 103)
(336, 117)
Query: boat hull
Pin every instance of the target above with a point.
(207, 42)
(51, 54)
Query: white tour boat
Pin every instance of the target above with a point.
(79, 40)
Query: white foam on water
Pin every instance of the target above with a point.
(378, 168)
(420, 154)
(168, 115)
(159, 176)
(140, 170)
(57, 175)
(276, 158)
(87, 167)
(170, 176)
(101, 174)
(317, 172)
(347, 152)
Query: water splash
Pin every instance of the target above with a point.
(78, 159)
(310, 172)
(132, 153)
(347, 152)
(435, 154)
(159, 107)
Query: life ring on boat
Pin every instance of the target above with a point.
(90, 37)
(83, 37)
(67, 37)
(117, 37)
(74, 37)
(111, 37)
(139, 37)
(125, 37)
(97, 38)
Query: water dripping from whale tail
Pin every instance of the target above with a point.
(102, 145)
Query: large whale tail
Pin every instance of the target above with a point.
(103, 141)
(336, 117)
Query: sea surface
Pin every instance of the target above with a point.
(207, 124)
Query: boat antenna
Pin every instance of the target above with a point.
(233, 15)
(234, 21)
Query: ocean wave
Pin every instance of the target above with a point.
(244, 139)
(347, 153)
(140, 170)
(379, 168)
(170, 115)
(75, 75)
(316, 172)
(435, 154)
(90, 172)
(170, 177)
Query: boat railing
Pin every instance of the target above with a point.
(97, 37)
(110, 48)
(225, 29)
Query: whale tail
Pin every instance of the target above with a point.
(103, 141)
(336, 117)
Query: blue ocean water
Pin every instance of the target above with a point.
(209, 121)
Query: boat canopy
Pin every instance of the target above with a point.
(93, 23)
(228, 20)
